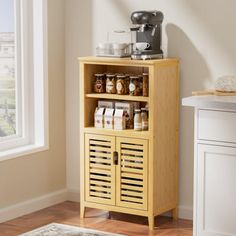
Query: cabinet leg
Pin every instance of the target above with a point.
(109, 215)
(175, 213)
(82, 211)
(151, 222)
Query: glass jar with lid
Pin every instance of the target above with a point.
(134, 85)
(127, 81)
(144, 116)
(111, 83)
(137, 120)
(145, 84)
(99, 83)
(140, 85)
(121, 85)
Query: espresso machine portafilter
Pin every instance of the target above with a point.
(148, 26)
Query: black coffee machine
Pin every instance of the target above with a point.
(148, 35)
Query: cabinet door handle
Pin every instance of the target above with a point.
(115, 158)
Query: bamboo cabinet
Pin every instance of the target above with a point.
(148, 185)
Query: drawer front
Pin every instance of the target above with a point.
(217, 126)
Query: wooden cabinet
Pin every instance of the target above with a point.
(130, 171)
(116, 171)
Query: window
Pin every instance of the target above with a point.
(7, 64)
(23, 75)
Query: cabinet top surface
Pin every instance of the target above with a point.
(211, 102)
(128, 61)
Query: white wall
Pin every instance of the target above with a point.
(200, 32)
(78, 43)
(36, 175)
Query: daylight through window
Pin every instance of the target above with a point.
(8, 108)
(23, 76)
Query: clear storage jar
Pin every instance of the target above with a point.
(99, 83)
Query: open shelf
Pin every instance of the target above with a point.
(122, 133)
(117, 97)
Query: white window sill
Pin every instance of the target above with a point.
(22, 151)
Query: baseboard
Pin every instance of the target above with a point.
(33, 205)
(73, 195)
(36, 204)
(186, 212)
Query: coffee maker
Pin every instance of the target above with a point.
(148, 35)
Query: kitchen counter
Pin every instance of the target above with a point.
(214, 164)
(210, 101)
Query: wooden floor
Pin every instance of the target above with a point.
(68, 213)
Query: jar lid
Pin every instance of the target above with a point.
(137, 110)
(110, 75)
(98, 74)
(145, 74)
(134, 77)
(144, 109)
(121, 76)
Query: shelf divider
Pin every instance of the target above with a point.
(124, 133)
(117, 97)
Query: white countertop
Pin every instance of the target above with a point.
(210, 101)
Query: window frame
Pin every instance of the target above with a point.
(32, 67)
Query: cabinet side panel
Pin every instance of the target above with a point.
(166, 134)
(82, 176)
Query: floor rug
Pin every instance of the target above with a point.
(66, 230)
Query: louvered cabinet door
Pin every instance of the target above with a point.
(131, 175)
(99, 169)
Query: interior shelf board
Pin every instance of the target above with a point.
(127, 132)
(117, 97)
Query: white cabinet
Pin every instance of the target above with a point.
(214, 165)
(215, 191)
